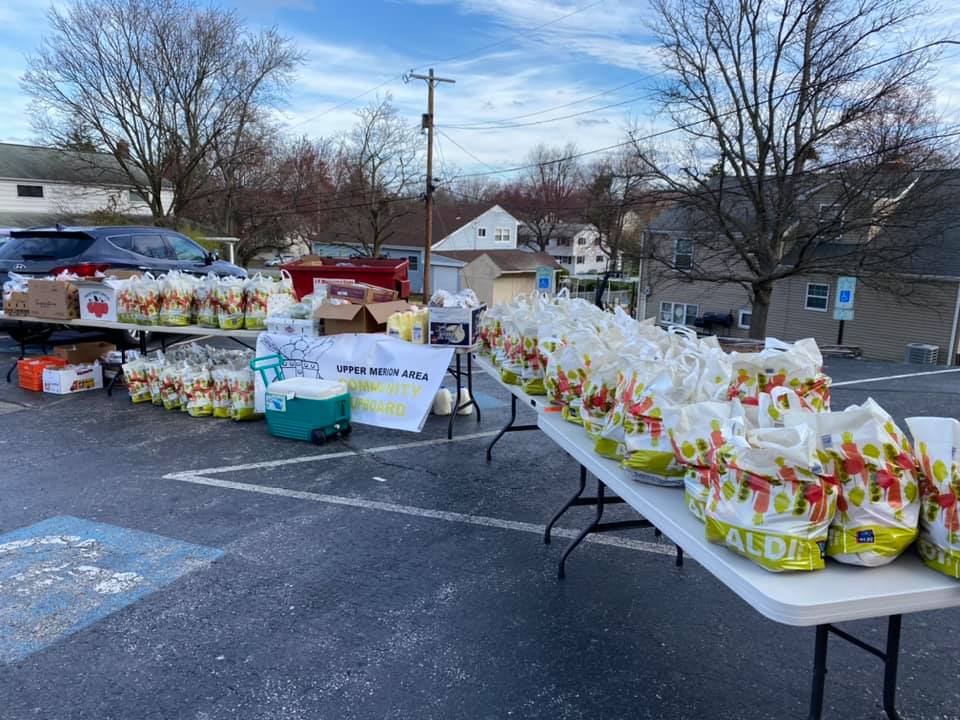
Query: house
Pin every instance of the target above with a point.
(918, 301)
(574, 246)
(498, 276)
(42, 186)
(471, 228)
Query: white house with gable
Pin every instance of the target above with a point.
(475, 228)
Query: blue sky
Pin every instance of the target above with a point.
(503, 68)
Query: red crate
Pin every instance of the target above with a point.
(386, 273)
(30, 371)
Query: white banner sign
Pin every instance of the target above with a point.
(392, 383)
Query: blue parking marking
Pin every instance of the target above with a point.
(63, 574)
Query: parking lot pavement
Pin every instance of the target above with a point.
(391, 575)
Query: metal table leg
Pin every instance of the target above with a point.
(567, 506)
(509, 427)
(456, 399)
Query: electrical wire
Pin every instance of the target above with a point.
(630, 101)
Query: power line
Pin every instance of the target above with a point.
(447, 136)
(548, 120)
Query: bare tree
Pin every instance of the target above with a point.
(614, 190)
(377, 172)
(158, 82)
(766, 94)
(543, 196)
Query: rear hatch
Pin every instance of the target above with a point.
(37, 253)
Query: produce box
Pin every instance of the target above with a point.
(312, 327)
(16, 305)
(352, 318)
(53, 299)
(358, 292)
(98, 301)
(81, 353)
(459, 327)
(72, 379)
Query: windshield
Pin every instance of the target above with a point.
(45, 247)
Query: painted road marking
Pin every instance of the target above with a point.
(463, 518)
(894, 377)
(328, 456)
(63, 574)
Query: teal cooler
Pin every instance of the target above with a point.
(303, 408)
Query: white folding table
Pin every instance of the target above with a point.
(835, 594)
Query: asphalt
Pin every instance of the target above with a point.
(362, 606)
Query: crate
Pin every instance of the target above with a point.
(30, 371)
(386, 273)
(922, 354)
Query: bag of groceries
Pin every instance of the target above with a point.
(138, 385)
(205, 301)
(567, 370)
(198, 385)
(128, 306)
(176, 298)
(768, 501)
(878, 503)
(798, 366)
(699, 430)
(935, 441)
(242, 389)
(152, 367)
(263, 296)
(599, 393)
(221, 392)
(230, 303)
(169, 386)
(147, 292)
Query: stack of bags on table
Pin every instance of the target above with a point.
(199, 380)
(773, 473)
(179, 299)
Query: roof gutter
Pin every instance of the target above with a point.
(951, 358)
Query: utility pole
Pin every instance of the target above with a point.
(427, 124)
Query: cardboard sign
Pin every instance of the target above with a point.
(392, 383)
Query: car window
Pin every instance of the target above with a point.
(54, 246)
(121, 241)
(185, 249)
(151, 246)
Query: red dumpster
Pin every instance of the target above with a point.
(388, 273)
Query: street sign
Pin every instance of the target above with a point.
(842, 314)
(545, 280)
(846, 289)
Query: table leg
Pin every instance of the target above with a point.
(891, 662)
(456, 399)
(819, 672)
(567, 505)
(601, 488)
(476, 408)
(23, 353)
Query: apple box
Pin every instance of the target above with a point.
(72, 379)
(98, 301)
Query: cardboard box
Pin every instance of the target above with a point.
(458, 327)
(72, 379)
(359, 293)
(97, 301)
(81, 353)
(53, 299)
(295, 326)
(352, 318)
(16, 304)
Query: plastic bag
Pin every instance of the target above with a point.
(798, 366)
(768, 501)
(169, 390)
(176, 298)
(128, 305)
(936, 441)
(147, 292)
(205, 301)
(230, 303)
(152, 368)
(221, 392)
(198, 385)
(241, 394)
(263, 296)
(135, 373)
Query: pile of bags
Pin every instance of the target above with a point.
(201, 381)
(179, 299)
(770, 470)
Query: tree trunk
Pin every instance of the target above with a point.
(762, 291)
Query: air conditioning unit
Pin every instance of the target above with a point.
(922, 354)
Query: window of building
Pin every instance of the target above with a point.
(501, 235)
(743, 319)
(481, 232)
(564, 259)
(818, 297)
(32, 191)
(414, 262)
(581, 259)
(600, 258)
(683, 254)
(830, 220)
(678, 313)
(581, 241)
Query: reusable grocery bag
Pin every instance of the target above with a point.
(176, 298)
(128, 305)
(599, 394)
(147, 292)
(169, 386)
(798, 366)
(878, 503)
(138, 385)
(221, 392)
(230, 303)
(567, 368)
(242, 385)
(935, 441)
(768, 501)
(205, 301)
(698, 432)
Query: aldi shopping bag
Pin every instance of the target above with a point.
(651, 402)
(176, 298)
(205, 302)
(935, 441)
(128, 306)
(147, 292)
(698, 432)
(798, 366)
(567, 371)
(230, 303)
(768, 501)
(878, 503)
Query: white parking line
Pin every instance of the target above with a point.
(463, 518)
(893, 377)
(327, 456)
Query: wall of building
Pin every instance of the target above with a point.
(68, 199)
(466, 237)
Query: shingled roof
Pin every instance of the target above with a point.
(30, 162)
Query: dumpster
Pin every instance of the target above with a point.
(387, 273)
